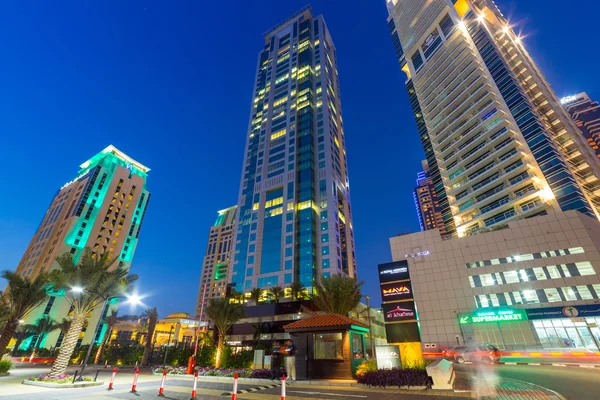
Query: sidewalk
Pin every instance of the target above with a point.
(493, 387)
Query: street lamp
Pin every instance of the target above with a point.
(132, 299)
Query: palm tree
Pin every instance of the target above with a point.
(110, 321)
(64, 326)
(40, 329)
(238, 297)
(297, 291)
(255, 295)
(223, 314)
(97, 281)
(151, 315)
(275, 293)
(20, 335)
(259, 329)
(338, 294)
(20, 298)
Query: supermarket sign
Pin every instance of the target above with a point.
(493, 315)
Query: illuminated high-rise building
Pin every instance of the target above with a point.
(586, 114)
(102, 209)
(213, 281)
(426, 202)
(498, 142)
(294, 220)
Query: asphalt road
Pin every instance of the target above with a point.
(571, 382)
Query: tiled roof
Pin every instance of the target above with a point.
(324, 321)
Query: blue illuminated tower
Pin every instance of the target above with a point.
(294, 221)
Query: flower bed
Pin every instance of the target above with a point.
(395, 377)
(222, 372)
(61, 378)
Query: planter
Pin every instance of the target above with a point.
(4, 374)
(75, 385)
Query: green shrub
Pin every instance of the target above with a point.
(366, 366)
(5, 365)
(241, 359)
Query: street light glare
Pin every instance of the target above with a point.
(134, 299)
(77, 289)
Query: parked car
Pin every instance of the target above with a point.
(450, 353)
(487, 354)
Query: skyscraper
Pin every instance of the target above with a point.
(586, 114)
(102, 209)
(294, 219)
(216, 260)
(426, 202)
(499, 144)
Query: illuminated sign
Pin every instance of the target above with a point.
(568, 99)
(395, 291)
(395, 271)
(494, 315)
(129, 166)
(189, 322)
(419, 254)
(388, 357)
(399, 311)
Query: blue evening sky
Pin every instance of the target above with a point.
(170, 84)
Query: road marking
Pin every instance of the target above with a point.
(534, 364)
(328, 394)
(510, 363)
(559, 365)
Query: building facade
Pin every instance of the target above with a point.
(426, 202)
(586, 114)
(102, 209)
(294, 220)
(498, 142)
(531, 285)
(213, 280)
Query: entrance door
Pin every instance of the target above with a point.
(574, 337)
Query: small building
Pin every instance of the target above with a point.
(330, 346)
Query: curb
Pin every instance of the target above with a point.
(551, 364)
(62, 385)
(4, 374)
(255, 389)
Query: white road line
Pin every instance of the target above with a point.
(328, 394)
(559, 365)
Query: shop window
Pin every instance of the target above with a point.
(358, 350)
(329, 346)
(569, 294)
(552, 295)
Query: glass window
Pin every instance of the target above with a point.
(552, 295)
(530, 296)
(329, 346)
(357, 346)
(553, 271)
(511, 277)
(569, 293)
(584, 292)
(487, 280)
(539, 273)
(585, 268)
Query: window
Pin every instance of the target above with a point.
(329, 346)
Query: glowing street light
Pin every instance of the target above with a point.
(77, 289)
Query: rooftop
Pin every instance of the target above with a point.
(117, 153)
(306, 10)
(325, 321)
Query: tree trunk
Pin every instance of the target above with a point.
(147, 348)
(102, 344)
(68, 346)
(220, 347)
(35, 346)
(16, 348)
(7, 334)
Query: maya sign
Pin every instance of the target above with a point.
(388, 357)
(395, 271)
(494, 315)
(404, 311)
(396, 291)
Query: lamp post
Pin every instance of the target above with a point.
(131, 298)
(370, 328)
(167, 348)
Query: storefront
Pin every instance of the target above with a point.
(554, 328)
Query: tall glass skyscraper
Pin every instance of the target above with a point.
(294, 220)
(498, 142)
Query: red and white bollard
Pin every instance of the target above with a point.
(283, 388)
(161, 391)
(135, 379)
(235, 383)
(195, 386)
(112, 379)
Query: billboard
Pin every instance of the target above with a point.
(395, 271)
(388, 357)
(395, 312)
(396, 291)
(403, 333)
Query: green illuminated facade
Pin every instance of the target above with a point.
(103, 209)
